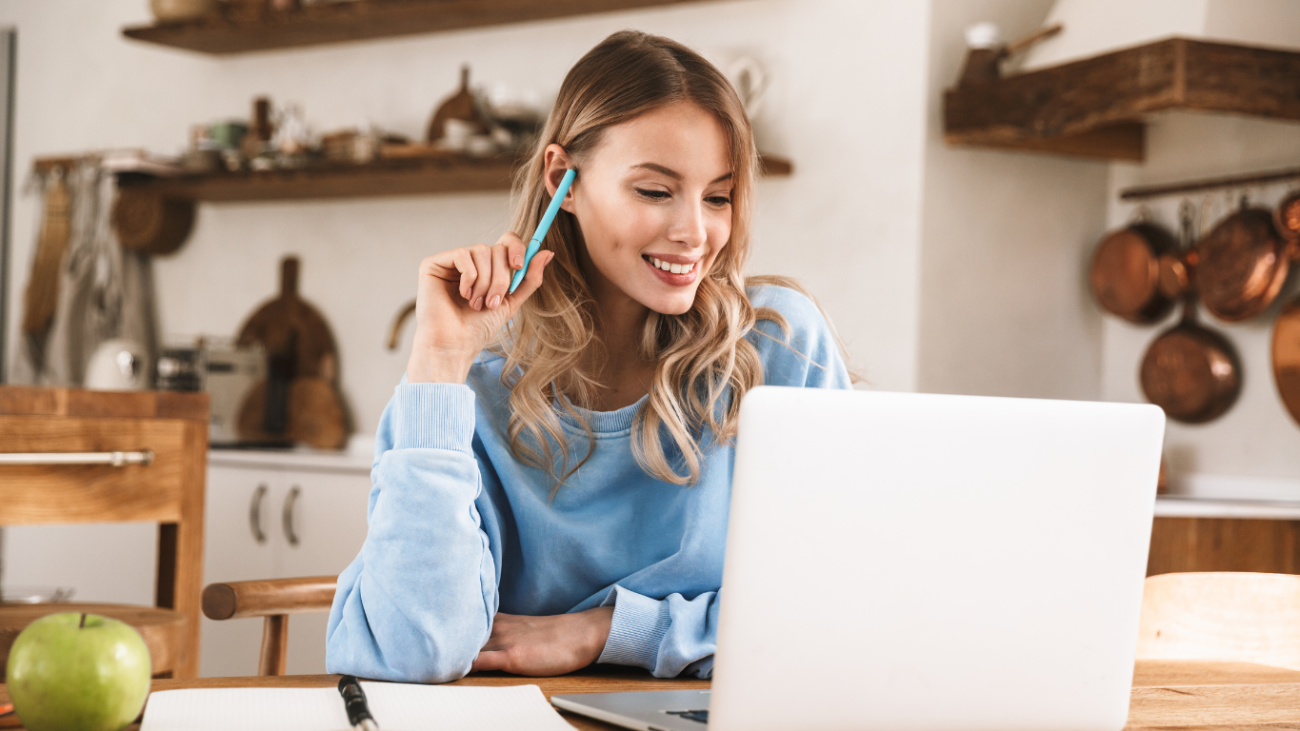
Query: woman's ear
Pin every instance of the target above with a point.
(557, 163)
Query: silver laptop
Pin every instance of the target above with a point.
(911, 561)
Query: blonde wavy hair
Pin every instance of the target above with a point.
(699, 354)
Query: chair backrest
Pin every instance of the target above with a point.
(169, 491)
(1242, 617)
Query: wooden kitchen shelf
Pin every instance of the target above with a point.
(355, 20)
(421, 176)
(1096, 107)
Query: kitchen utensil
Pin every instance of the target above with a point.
(246, 10)
(151, 224)
(229, 374)
(257, 140)
(290, 402)
(1125, 272)
(286, 316)
(171, 11)
(1287, 216)
(228, 135)
(313, 414)
(395, 330)
(118, 365)
(35, 594)
(1190, 371)
(1242, 264)
(986, 52)
(180, 369)
(461, 106)
(1286, 357)
(42, 293)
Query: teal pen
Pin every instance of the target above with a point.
(543, 226)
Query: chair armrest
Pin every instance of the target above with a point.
(235, 599)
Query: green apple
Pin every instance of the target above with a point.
(78, 672)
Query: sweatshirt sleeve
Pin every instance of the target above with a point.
(673, 635)
(417, 603)
(665, 636)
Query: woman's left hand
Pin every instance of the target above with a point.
(545, 645)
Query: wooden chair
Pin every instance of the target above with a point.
(1241, 617)
(275, 600)
(73, 456)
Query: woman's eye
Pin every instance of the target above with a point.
(719, 200)
(657, 195)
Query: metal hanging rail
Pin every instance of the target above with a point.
(116, 459)
(1192, 186)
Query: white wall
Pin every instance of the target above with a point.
(846, 105)
(1004, 238)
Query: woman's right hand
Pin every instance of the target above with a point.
(461, 304)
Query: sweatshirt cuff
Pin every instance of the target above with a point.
(636, 631)
(434, 416)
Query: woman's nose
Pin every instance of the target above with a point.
(688, 226)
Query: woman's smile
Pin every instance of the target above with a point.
(678, 271)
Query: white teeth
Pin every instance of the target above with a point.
(674, 268)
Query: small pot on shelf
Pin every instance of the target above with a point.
(175, 11)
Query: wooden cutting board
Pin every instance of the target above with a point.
(290, 317)
(300, 401)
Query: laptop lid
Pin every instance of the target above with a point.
(912, 561)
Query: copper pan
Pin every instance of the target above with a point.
(1286, 357)
(1190, 371)
(1124, 276)
(1241, 265)
(1286, 331)
(1287, 216)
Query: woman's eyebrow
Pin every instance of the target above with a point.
(673, 173)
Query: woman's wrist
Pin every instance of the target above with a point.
(437, 367)
(598, 630)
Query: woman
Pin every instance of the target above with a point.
(552, 478)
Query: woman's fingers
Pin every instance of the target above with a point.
(489, 660)
(482, 257)
(515, 250)
(532, 279)
(464, 264)
(501, 276)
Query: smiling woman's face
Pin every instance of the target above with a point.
(653, 201)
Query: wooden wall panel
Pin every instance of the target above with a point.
(1224, 544)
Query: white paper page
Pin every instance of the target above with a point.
(395, 706)
(461, 708)
(246, 709)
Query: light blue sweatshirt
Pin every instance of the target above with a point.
(459, 529)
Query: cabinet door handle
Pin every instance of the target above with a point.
(255, 514)
(289, 503)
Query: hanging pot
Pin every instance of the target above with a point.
(1286, 357)
(1190, 371)
(1242, 264)
(1287, 216)
(1125, 273)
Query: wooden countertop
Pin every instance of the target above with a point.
(39, 401)
(1183, 694)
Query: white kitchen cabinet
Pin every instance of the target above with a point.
(267, 521)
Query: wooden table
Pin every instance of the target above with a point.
(1167, 694)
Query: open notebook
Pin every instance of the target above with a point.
(395, 706)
